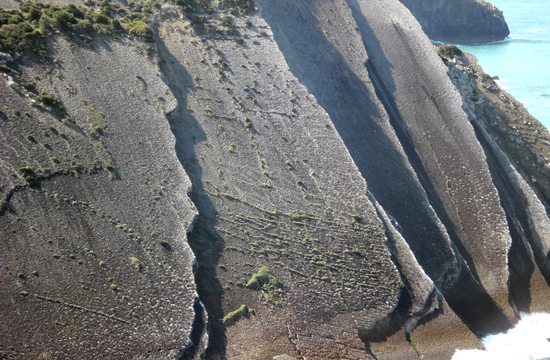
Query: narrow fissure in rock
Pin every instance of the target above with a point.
(207, 248)
(203, 239)
(194, 348)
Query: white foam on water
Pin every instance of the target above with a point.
(528, 340)
(502, 83)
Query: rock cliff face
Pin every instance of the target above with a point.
(518, 148)
(312, 171)
(462, 21)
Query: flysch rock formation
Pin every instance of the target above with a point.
(301, 209)
(284, 179)
(95, 265)
(459, 21)
(518, 148)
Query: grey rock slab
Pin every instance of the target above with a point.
(339, 80)
(97, 266)
(332, 34)
(283, 190)
(429, 111)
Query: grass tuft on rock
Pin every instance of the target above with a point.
(140, 29)
(260, 278)
(136, 264)
(233, 317)
(263, 280)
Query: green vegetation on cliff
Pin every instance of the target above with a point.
(263, 280)
(449, 51)
(25, 30)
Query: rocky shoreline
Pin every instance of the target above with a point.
(459, 21)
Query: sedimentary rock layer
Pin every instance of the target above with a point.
(94, 253)
(313, 171)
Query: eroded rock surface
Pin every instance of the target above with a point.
(95, 260)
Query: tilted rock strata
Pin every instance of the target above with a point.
(424, 105)
(83, 262)
(342, 190)
(518, 146)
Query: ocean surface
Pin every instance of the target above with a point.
(522, 62)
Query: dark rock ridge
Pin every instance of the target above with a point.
(459, 21)
(291, 179)
(518, 147)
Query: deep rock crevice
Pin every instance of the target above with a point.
(418, 303)
(205, 242)
(194, 349)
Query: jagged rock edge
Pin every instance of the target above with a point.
(407, 318)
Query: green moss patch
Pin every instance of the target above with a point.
(263, 280)
(233, 317)
(140, 29)
(136, 264)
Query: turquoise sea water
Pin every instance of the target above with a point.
(523, 61)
